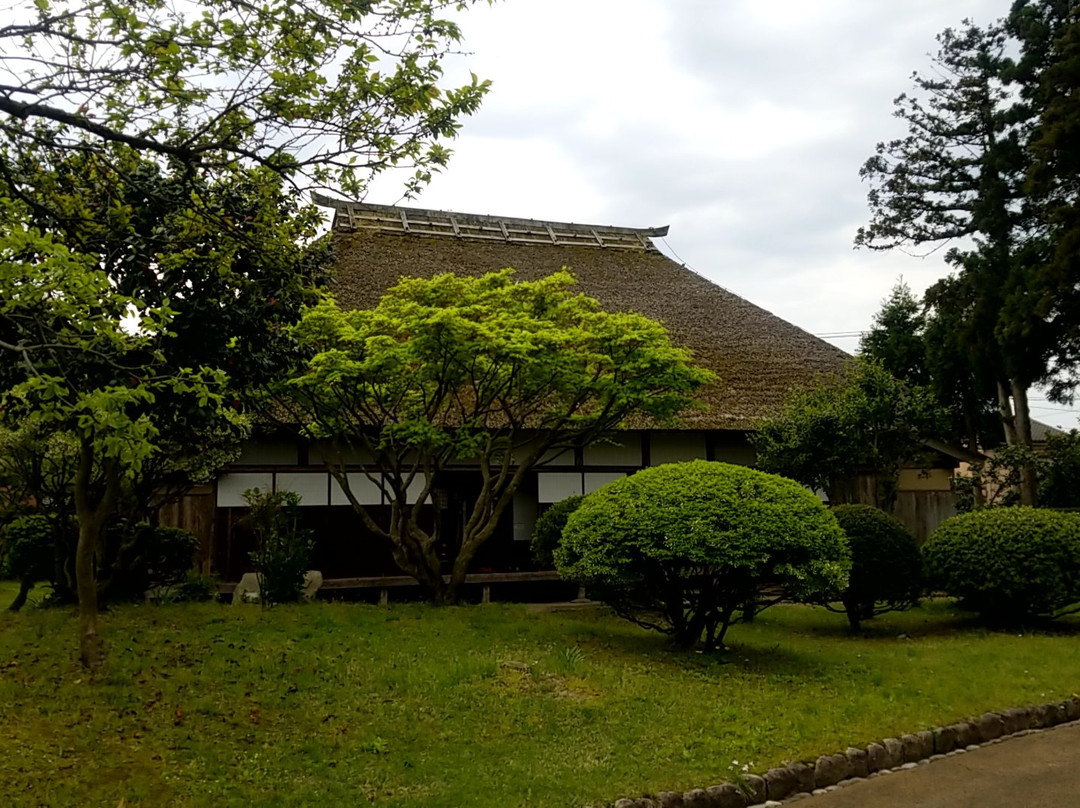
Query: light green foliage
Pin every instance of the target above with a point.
(681, 547)
(486, 369)
(36, 464)
(332, 90)
(886, 568)
(282, 546)
(37, 470)
(865, 420)
(1008, 563)
(154, 141)
(549, 527)
(87, 373)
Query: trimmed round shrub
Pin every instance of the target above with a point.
(27, 551)
(26, 547)
(142, 556)
(1008, 563)
(683, 548)
(170, 554)
(549, 527)
(196, 587)
(886, 567)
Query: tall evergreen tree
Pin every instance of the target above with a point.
(962, 375)
(958, 176)
(896, 339)
(1049, 73)
(928, 343)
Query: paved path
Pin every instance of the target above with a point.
(1040, 770)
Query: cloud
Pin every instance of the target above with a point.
(742, 124)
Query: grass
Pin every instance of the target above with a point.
(346, 704)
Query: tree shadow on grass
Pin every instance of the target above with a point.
(655, 650)
(771, 645)
(933, 618)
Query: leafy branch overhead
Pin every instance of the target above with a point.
(332, 90)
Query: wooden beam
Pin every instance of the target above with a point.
(383, 581)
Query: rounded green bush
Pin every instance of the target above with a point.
(1008, 563)
(549, 527)
(886, 567)
(142, 556)
(26, 547)
(684, 548)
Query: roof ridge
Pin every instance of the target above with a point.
(351, 216)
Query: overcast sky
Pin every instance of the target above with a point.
(742, 124)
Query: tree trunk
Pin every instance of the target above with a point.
(466, 553)
(854, 614)
(977, 491)
(425, 567)
(1008, 422)
(91, 518)
(25, 585)
(91, 649)
(479, 529)
(414, 552)
(1029, 478)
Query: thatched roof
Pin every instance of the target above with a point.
(758, 356)
(1040, 431)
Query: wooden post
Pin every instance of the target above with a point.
(486, 597)
(384, 596)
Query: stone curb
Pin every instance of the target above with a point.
(796, 781)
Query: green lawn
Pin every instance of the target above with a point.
(345, 704)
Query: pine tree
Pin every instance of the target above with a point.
(958, 177)
(1049, 72)
(896, 339)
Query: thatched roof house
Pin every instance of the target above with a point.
(758, 356)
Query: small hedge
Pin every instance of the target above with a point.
(1008, 564)
(282, 545)
(141, 557)
(549, 528)
(886, 568)
(687, 548)
(26, 547)
(26, 553)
